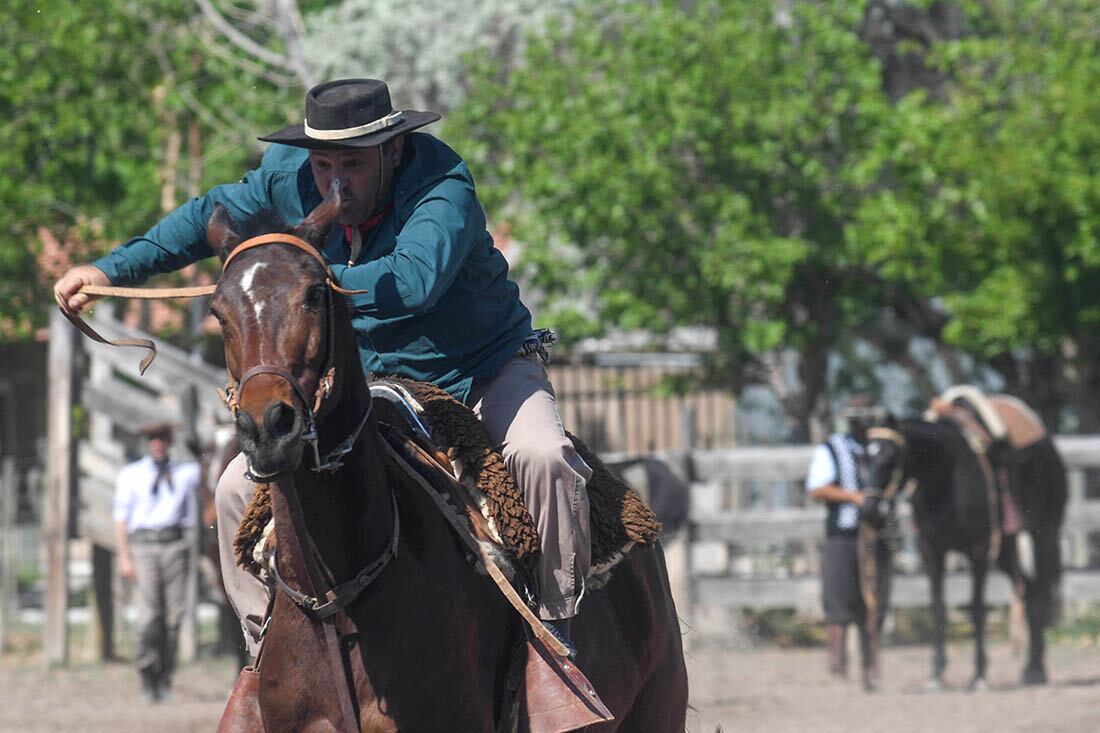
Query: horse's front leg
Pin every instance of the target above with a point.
(979, 564)
(933, 560)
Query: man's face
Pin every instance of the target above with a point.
(158, 448)
(357, 171)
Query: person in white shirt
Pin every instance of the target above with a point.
(835, 478)
(154, 505)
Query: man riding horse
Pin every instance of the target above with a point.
(438, 306)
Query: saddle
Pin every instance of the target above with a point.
(998, 428)
(449, 431)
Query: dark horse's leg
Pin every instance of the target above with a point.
(933, 562)
(1039, 600)
(979, 565)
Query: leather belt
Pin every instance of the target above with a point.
(167, 534)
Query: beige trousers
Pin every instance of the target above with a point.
(160, 585)
(520, 414)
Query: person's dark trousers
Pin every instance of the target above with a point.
(838, 652)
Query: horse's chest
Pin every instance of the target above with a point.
(394, 667)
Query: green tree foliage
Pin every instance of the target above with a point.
(693, 167)
(72, 145)
(993, 206)
(93, 93)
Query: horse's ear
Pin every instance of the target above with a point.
(315, 227)
(221, 232)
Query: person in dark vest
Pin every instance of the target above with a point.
(835, 478)
(154, 505)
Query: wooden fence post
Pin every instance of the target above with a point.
(9, 566)
(57, 519)
(103, 602)
(189, 627)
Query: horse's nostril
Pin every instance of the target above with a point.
(246, 425)
(279, 420)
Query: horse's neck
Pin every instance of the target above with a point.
(928, 456)
(345, 518)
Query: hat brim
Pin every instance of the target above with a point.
(295, 135)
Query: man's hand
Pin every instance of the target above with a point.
(126, 567)
(875, 510)
(66, 290)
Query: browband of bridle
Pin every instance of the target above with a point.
(293, 241)
(886, 434)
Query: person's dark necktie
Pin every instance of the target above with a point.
(163, 473)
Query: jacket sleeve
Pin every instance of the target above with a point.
(429, 251)
(179, 238)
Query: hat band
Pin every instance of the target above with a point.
(348, 132)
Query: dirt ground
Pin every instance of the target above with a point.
(739, 690)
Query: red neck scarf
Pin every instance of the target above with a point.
(366, 226)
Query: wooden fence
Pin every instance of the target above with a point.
(629, 407)
(753, 542)
(97, 402)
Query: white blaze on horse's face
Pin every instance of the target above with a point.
(246, 287)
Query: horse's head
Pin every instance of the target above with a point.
(276, 313)
(884, 472)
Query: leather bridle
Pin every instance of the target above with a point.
(232, 392)
(897, 476)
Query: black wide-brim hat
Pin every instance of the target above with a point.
(350, 113)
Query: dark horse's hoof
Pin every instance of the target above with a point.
(1034, 676)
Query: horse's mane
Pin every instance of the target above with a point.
(267, 221)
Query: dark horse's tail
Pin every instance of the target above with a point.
(1041, 491)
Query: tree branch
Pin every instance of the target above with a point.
(239, 39)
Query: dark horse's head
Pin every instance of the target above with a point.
(276, 313)
(885, 471)
(885, 457)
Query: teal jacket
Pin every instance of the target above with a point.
(439, 306)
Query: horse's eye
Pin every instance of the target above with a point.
(217, 316)
(315, 296)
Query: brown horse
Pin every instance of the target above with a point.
(427, 644)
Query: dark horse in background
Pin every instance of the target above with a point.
(959, 504)
(428, 644)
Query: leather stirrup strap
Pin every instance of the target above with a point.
(537, 627)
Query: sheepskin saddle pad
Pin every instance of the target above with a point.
(619, 518)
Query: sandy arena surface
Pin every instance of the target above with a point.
(756, 690)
